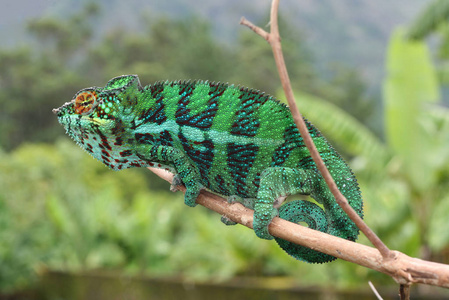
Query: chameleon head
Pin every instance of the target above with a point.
(87, 116)
(95, 118)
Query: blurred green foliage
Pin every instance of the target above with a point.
(405, 179)
(417, 129)
(66, 55)
(60, 209)
(433, 20)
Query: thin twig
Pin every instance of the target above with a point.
(373, 288)
(274, 40)
(404, 292)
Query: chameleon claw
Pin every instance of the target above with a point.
(176, 183)
(233, 199)
(191, 195)
(225, 220)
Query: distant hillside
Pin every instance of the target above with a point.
(353, 32)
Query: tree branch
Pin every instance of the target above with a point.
(402, 268)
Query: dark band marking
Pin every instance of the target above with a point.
(164, 138)
(307, 163)
(202, 120)
(292, 140)
(246, 122)
(125, 153)
(156, 113)
(240, 160)
(202, 159)
(104, 141)
(221, 186)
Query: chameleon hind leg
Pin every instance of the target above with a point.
(187, 173)
(279, 182)
(276, 183)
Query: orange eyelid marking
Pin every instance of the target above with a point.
(85, 102)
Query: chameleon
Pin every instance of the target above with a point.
(234, 141)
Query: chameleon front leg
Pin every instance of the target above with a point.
(277, 183)
(187, 173)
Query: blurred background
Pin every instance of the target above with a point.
(372, 76)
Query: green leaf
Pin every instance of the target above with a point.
(341, 128)
(439, 227)
(436, 13)
(411, 83)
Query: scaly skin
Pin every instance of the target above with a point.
(233, 141)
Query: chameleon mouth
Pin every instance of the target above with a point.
(59, 109)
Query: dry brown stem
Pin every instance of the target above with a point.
(404, 292)
(373, 288)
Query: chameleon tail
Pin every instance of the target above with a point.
(332, 219)
(311, 214)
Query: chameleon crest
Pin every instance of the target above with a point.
(233, 141)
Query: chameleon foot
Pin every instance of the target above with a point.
(191, 195)
(227, 221)
(176, 183)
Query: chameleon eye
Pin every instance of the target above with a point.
(85, 102)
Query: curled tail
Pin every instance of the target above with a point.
(278, 182)
(304, 211)
(332, 219)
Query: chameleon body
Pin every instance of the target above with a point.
(233, 141)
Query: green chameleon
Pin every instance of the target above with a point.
(233, 141)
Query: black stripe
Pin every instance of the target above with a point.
(240, 159)
(202, 159)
